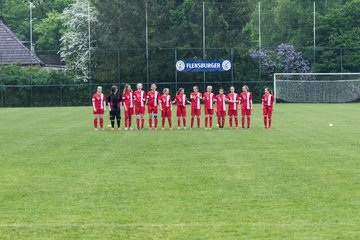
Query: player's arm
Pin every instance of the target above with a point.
(120, 102)
(109, 105)
(104, 103)
(147, 100)
(160, 105)
(93, 103)
(123, 102)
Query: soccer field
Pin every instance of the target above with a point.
(59, 179)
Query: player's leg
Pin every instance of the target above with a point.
(192, 117)
(211, 118)
(118, 117)
(243, 113)
(223, 121)
(265, 116)
(101, 116)
(155, 118)
(138, 121)
(248, 114)
(206, 121)
(126, 119)
(169, 115)
(112, 120)
(150, 117)
(183, 115)
(142, 119)
(230, 114)
(269, 117)
(137, 113)
(198, 120)
(96, 116)
(131, 112)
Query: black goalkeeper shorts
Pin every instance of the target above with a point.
(115, 113)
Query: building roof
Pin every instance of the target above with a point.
(12, 51)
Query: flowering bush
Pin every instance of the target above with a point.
(285, 59)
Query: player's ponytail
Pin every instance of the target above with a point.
(126, 88)
(180, 89)
(269, 90)
(247, 88)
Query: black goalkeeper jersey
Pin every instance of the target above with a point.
(115, 101)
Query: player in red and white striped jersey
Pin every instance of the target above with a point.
(99, 107)
(140, 98)
(152, 100)
(268, 106)
(181, 101)
(233, 98)
(220, 100)
(166, 108)
(128, 101)
(208, 99)
(246, 105)
(195, 106)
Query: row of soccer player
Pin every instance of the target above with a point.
(135, 101)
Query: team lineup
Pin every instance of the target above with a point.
(135, 102)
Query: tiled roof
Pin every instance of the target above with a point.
(12, 51)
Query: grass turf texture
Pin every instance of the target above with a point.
(59, 179)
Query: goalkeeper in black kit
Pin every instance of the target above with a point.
(114, 103)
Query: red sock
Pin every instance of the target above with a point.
(130, 120)
(163, 122)
(236, 122)
(198, 122)
(150, 123)
(142, 122)
(211, 122)
(248, 122)
(101, 123)
(184, 122)
(95, 122)
(270, 122)
(223, 122)
(155, 123)
(243, 121)
(192, 122)
(169, 120)
(137, 123)
(265, 121)
(206, 122)
(230, 122)
(179, 122)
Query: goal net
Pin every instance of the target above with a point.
(317, 87)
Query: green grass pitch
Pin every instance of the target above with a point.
(59, 179)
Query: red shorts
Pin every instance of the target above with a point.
(98, 111)
(129, 112)
(267, 111)
(195, 112)
(152, 109)
(139, 109)
(233, 112)
(246, 112)
(209, 111)
(221, 113)
(181, 112)
(166, 113)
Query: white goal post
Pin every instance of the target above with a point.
(317, 87)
